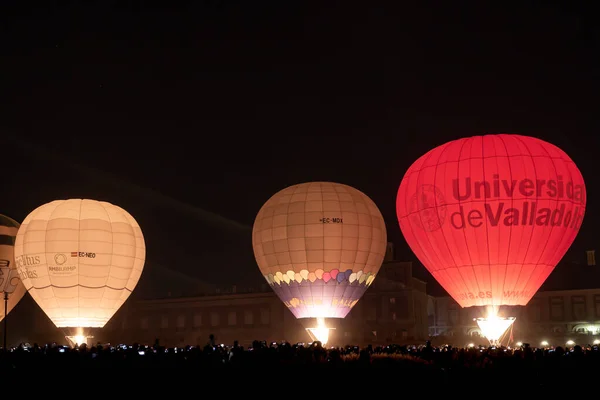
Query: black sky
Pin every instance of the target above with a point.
(177, 113)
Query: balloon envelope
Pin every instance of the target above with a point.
(491, 216)
(9, 278)
(319, 245)
(80, 260)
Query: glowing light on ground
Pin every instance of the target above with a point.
(320, 332)
(493, 327)
(79, 338)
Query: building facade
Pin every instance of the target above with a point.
(393, 310)
(555, 317)
(565, 309)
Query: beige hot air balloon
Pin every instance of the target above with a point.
(10, 284)
(80, 260)
(319, 245)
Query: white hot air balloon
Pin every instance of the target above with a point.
(319, 245)
(10, 284)
(80, 260)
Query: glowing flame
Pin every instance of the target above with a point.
(320, 333)
(79, 338)
(493, 326)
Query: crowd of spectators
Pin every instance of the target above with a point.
(441, 363)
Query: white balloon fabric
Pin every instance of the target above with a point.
(80, 260)
(319, 245)
(9, 278)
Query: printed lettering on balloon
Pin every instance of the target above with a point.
(514, 204)
(508, 294)
(517, 202)
(27, 266)
(428, 208)
(332, 220)
(64, 265)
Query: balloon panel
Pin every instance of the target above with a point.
(491, 216)
(80, 260)
(9, 279)
(319, 245)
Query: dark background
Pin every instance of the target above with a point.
(191, 116)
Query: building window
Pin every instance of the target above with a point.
(180, 322)
(597, 305)
(393, 316)
(197, 320)
(214, 319)
(534, 310)
(392, 300)
(248, 317)
(371, 313)
(452, 316)
(232, 318)
(144, 323)
(578, 308)
(557, 308)
(164, 322)
(265, 317)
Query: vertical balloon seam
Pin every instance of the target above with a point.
(543, 146)
(337, 195)
(512, 203)
(366, 199)
(410, 228)
(544, 268)
(420, 173)
(492, 139)
(79, 260)
(448, 277)
(46, 241)
(441, 153)
(418, 212)
(471, 157)
(529, 153)
(485, 200)
(112, 244)
(462, 148)
(531, 235)
(461, 281)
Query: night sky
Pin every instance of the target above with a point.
(192, 116)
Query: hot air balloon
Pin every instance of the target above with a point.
(10, 284)
(80, 260)
(490, 217)
(319, 245)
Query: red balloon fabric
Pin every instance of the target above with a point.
(491, 216)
